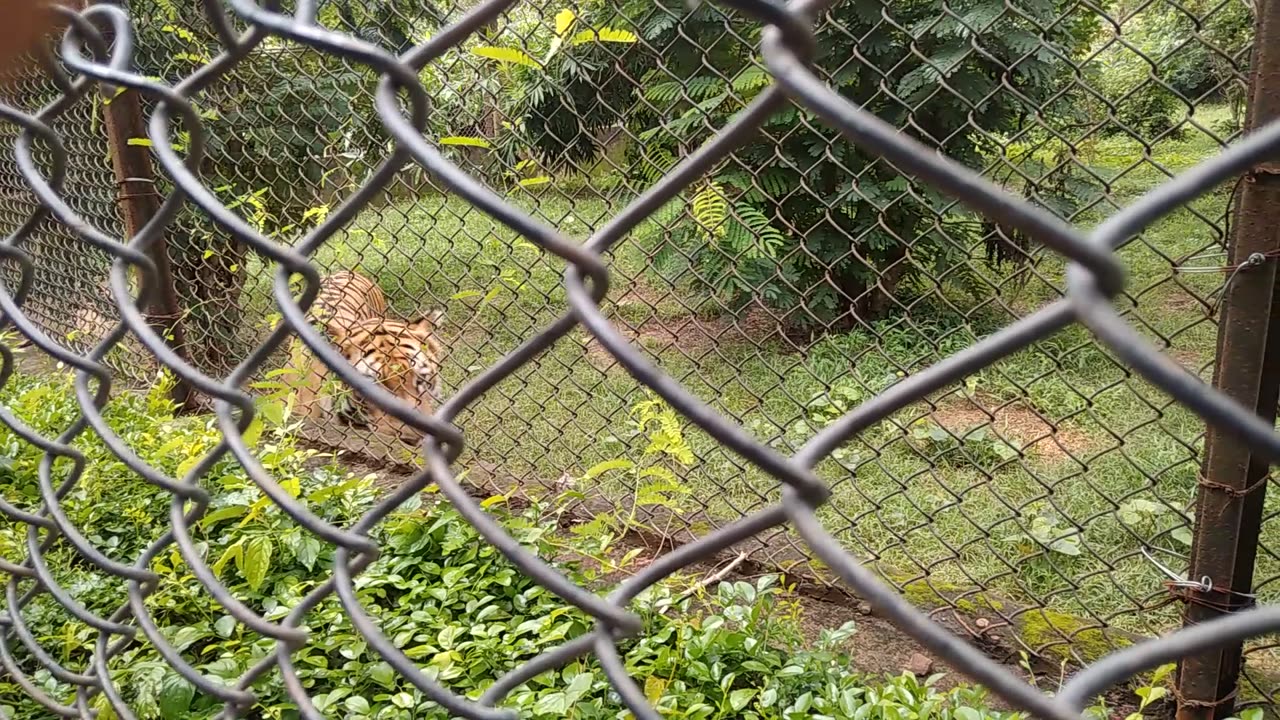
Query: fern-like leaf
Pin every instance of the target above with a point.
(750, 234)
(751, 80)
(710, 209)
(663, 93)
(704, 86)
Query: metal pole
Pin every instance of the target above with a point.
(139, 202)
(1229, 502)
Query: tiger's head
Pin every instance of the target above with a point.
(404, 357)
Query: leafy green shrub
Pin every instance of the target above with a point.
(442, 594)
(1155, 520)
(800, 217)
(650, 480)
(559, 89)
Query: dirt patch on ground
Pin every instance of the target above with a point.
(1180, 300)
(1192, 360)
(693, 336)
(1016, 423)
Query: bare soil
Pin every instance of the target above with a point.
(1014, 422)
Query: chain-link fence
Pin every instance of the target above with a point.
(799, 293)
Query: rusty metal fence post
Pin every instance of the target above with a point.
(139, 201)
(1229, 501)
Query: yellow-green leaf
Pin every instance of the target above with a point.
(653, 688)
(505, 55)
(253, 432)
(564, 20)
(604, 467)
(139, 142)
(468, 140)
(257, 561)
(612, 35)
(222, 513)
(540, 180)
(232, 553)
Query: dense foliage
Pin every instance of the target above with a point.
(1164, 60)
(799, 217)
(447, 599)
(822, 221)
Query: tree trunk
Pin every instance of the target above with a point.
(881, 300)
(209, 278)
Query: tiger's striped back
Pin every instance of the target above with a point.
(347, 298)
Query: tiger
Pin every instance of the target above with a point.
(345, 299)
(404, 357)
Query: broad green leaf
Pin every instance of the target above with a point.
(272, 411)
(224, 513)
(384, 675)
(225, 626)
(235, 552)
(967, 713)
(357, 704)
(580, 686)
(611, 35)
(253, 432)
(848, 701)
(505, 55)
(185, 636)
(1150, 695)
(467, 140)
(1181, 535)
(738, 699)
(530, 182)
(257, 561)
(292, 486)
(175, 697)
(654, 686)
(769, 697)
(551, 704)
(307, 550)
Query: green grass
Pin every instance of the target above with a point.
(919, 505)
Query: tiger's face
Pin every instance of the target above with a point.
(404, 357)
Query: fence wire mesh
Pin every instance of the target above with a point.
(871, 352)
